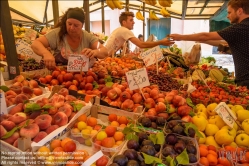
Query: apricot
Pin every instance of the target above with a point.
(55, 143)
(112, 117)
(110, 130)
(122, 120)
(82, 117)
(69, 146)
(91, 121)
(118, 136)
(64, 141)
(108, 142)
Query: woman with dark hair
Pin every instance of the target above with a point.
(68, 38)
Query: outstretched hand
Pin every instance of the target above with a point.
(175, 37)
(89, 53)
(49, 61)
(167, 42)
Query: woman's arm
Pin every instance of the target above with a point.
(97, 50)
(40, 46)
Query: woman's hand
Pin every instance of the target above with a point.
(167, 42)
(90, 53)
(49, 60)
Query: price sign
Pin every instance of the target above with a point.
(226, 114)
(137, 78)
(152, 55)
(2, 97)
(77, 63)
(24, 48)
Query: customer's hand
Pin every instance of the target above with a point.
(176, 37)
(167, 42)
(49, 61)
(89, 53)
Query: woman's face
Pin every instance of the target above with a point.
(74, 27)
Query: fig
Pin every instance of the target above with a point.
(133, 144)
(179, 147)
(191, 132)
(157, 147)
(142, 136)
(191, 149)
(171, 139)
(168, 150)
(132, 163)
(147, 142)
(149, 150)
(172, 124)
(160, 121)
(178, 130)
(154, 125)
(114, 164)
(131, 154)
(192, 158)
(121, 160)
(146, 122)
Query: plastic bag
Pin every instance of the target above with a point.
(193, 57)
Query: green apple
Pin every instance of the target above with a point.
(242, 140)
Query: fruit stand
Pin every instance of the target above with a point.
(123, 112)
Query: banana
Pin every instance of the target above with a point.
(155, 16)
(110, 4)
(164, 3)
(117, 4)
(153, 2)
(137, 16)
(147, 2)
(164, 12)
(151, 15)
(140, 15)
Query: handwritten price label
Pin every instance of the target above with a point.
(226, 114)
(3, 104)
(137, 78)
(77, 63)
(24, 48)
(152, 55)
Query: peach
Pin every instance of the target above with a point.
(104, 90)
(112, 94)
(78, 77)
(33, 84)
(16, 89)
(18, 117)
(31, 130)
(129, 91)
(149, 103)
(127, 105)
(67, 84)
(60, 78)
(15, 144)
(154, 93)
(52, 110)
(117, 90)
(108, 142)
(161, 95)
(160, 107)
(38, 91)
(57, 100)
(48, 78)
(82, 85)
(15, 109)
(25, 83)
(28, 121)
(137, 98)
(12, 138)
(71, 116)
(73, 87)
(60, 119)
(27, 90)
(17, 84)
(43, 121)
(4, 117)
(68, 77)
(66, 109)
(70, 98)
(75, 82)
(89, 79)
(3, 131)
(10, 92)
(40, 136)
(70, 146)
(8, 125)
(54, 82)
(63, 92)
(91, 73)
(43, 80)
(50, 129)
(88, 86)
(55, 74)
(19, 78)
(160, 99)
(110, 130)
(21, 98)
(101, 81)
(125, 95)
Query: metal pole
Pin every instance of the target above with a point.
(55, 11)
(144, 20)
(8, 39)
(87, 15)
(127, 5)
(103, 15)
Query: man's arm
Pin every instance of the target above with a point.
(204, 36)
(141, 44)
(214, 42)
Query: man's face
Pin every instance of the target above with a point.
(129, 23)
(232, 15)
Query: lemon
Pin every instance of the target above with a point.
(101, 135)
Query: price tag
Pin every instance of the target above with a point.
(137, 79)
(152, 55)
(24, 48)
(2, 97)
(77, 63)
(226, 114)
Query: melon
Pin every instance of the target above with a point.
(216, 75)
(197, 74)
